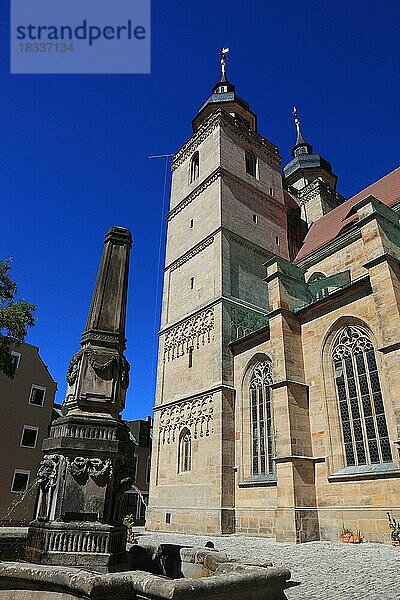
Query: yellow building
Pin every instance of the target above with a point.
(277, 409)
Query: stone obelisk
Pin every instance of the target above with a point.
(88, 456)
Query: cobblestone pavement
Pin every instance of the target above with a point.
(320, 570)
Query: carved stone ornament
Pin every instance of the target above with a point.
(245, 321)
(82, 468)
(48, 470)
(102, 362)
(47, 475)
(196, 414)
(262, 374)
(351, 340)
(73, 368)
(219, 117)
(124, 371)
(189, 334)
(191, 254)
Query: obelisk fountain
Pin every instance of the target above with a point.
(88, 456)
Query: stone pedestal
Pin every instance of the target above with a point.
(96, 546)
(88, 456)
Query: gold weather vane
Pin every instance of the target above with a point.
(296, 119)
(223, 55)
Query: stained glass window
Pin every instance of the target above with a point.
(365, 433)
(262, 419)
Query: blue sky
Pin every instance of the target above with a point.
(74, 148)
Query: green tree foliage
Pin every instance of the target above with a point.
(15, 317)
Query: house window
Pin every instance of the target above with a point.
(168, 518)
(29, 436)
(194, 167)
(185, 451)
(191, 223)
(15, 358)
(261, 419)
(255, 219)
(362, 413)
(277, 240)
(20, 481)
(251, 164)
(191, 283)
(37, 395)
(324, 291)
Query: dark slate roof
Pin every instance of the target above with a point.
(306, 161)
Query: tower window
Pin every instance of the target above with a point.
(251, 164)
(263, 449)
(277, 240)
(168, 518)
(191, 223)
(194, 167)
(358, 389)
(185, 451)
(271, 191)
(190, 358)
(255, 218)
(191, 283)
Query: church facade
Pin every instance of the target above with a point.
(277, 409)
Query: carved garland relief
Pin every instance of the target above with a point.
(97, 469)
(197, 415)
(102, 364)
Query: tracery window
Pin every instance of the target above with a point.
(194, 167)
(185, 451)
(364, 428)
(261, 419)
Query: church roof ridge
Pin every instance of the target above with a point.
(327, 228)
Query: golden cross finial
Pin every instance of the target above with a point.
(223, 55)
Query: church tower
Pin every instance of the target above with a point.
(310, 179)
(227, 217)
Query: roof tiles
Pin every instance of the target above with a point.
(328, 227)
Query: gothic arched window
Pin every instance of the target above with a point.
(365, 433)
(194, 167)
(261, 418)
(251, 164)
(322, 293)
(185, 451)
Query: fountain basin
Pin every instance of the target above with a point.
(165, 571)
(25, 581)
